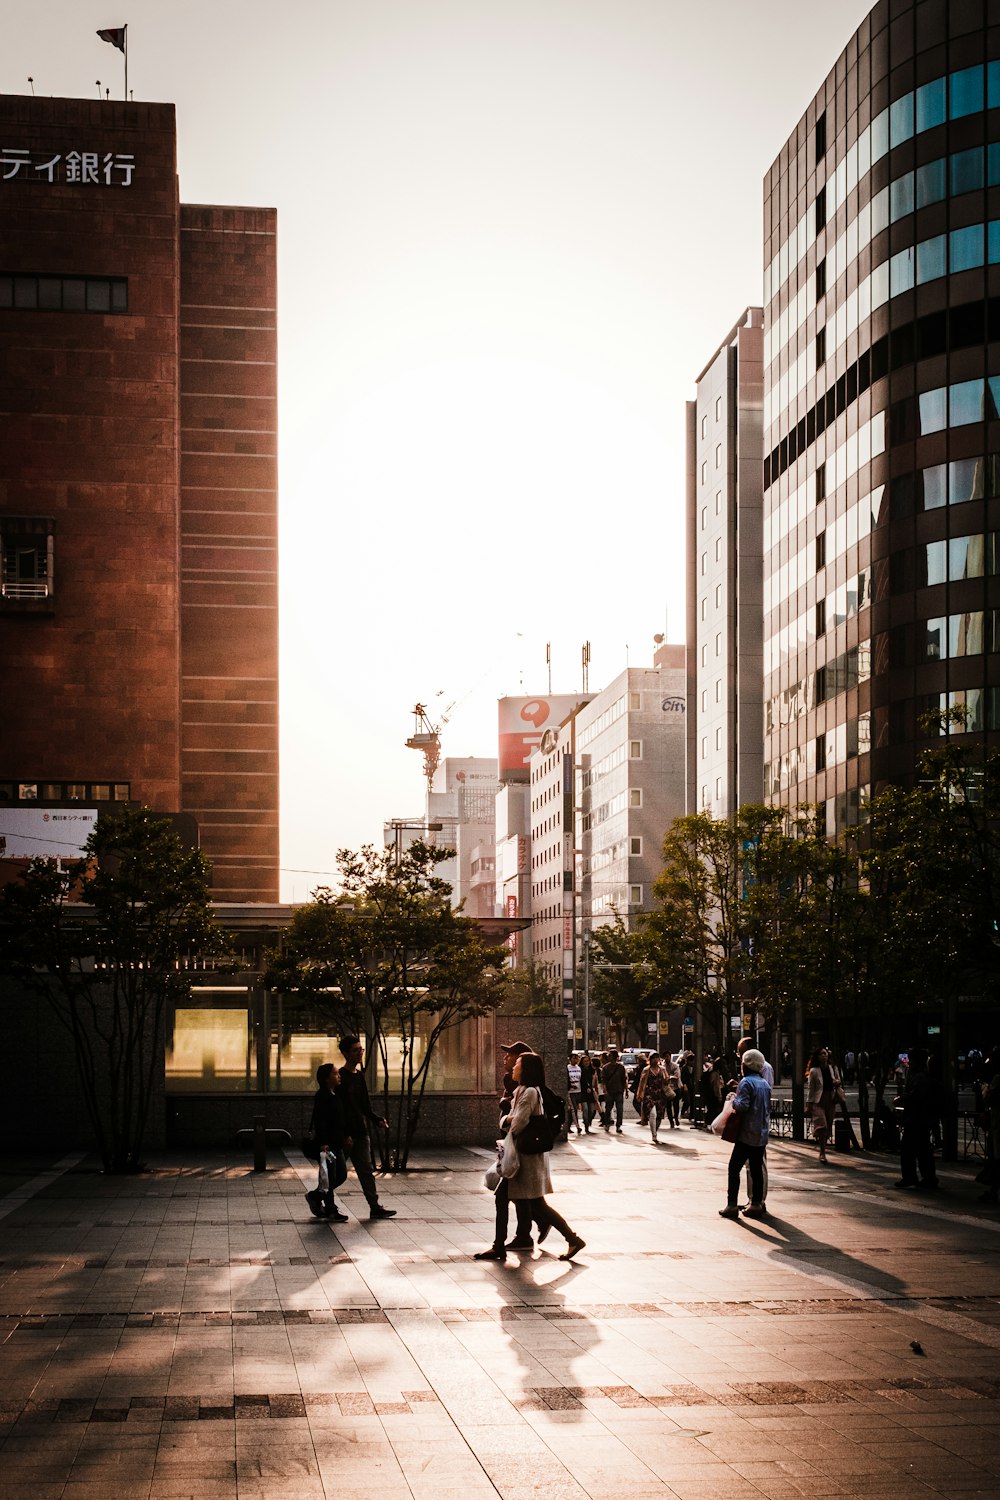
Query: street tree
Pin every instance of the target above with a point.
(392, 961)
(109, 964)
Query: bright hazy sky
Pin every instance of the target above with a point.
(510, 235)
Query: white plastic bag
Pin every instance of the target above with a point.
(719, 1123)
(324, 1172)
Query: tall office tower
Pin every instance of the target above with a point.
(724, 563)
(138, 489)
(882, 437)
(630, 776)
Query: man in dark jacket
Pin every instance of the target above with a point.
(360, 1117)
(615, 1081)
(327, 1128)
(916, 1152)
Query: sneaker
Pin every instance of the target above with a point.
(315, 1203)
(731, 1212)
(902, 1183)
(337, 1216)
(618, 1130)
(755, 1211)
(378, 1212)
(573, 1248)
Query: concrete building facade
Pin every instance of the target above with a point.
(882, 408)
(724, 575)
(138, 492)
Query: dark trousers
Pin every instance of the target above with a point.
(615, 1102)
(752, 1156)
(543, 1213)
(360, 1157)
(916, 1154)
(522, 1208)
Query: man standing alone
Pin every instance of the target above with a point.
(359, 1118)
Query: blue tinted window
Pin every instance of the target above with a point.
(931, 182)
(937, 562)
(966, 403)
(993, 407)
(930, 105)
(901, 272)
(931, 109)
(935, 487)
(966, 480)
(966, 90)
(880, 211)
(933, 407)
(967, 171)
(931, 259)
(992, 85)
(901, 120)
(993, 242)
(966, 248)
(901, 197)
(965, 557)
(880, 135)
(993, 164)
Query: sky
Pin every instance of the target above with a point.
(511, 233)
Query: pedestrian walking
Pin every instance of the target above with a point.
(840, 1109)
(752, 1103)
(652, 1095)
(528, 1175)
(675, 1089)
(588, 1090)
(522, 1234)
(916, 1104)
(990, 1097)
(743, 1046)
(615, 1082)
(573, 1089)
(326, 1126)
(359, 1120)
(819, 1100)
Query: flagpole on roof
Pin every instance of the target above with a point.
(125, 29)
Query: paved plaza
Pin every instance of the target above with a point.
(193, 1332)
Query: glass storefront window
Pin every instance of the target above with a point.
(455, 1065)
(302, 1034)
(210, 1044)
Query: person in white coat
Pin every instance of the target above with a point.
(528, 1176)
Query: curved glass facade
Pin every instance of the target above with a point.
(882, 407)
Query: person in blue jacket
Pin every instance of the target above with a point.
(753, 1104)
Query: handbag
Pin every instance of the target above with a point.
(538, 1135)
(670, 1092)
(731, 1128)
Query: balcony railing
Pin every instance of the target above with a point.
(35, 588)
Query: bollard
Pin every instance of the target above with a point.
(259, 1144)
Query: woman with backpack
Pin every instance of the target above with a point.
(525, 1160)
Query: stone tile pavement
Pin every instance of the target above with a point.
(193, 1332)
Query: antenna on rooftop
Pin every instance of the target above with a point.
(98, 81)
(32, 82)
(585, 663)
(548, 663)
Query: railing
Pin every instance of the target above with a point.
(36, 588)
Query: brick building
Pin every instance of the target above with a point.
(138, 485)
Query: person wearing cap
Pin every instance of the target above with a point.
(753, 1106)
(522, 1237)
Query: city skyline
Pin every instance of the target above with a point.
(507, 243)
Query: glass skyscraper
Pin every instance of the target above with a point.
(882, 408)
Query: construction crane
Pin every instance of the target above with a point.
(426, 737)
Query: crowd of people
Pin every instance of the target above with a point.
(731, 1095)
